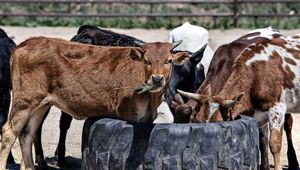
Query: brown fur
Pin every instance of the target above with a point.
(82, 80)
(262, 83)
(221, 68)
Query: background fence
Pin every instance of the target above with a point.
(233, 10)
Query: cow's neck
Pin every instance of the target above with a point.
(156, 99)
(240, 81)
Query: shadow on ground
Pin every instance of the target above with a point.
(71, 164)
(285, 167)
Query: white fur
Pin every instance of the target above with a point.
(263, 56)
(264, 32)
(276, 115)
(164, 114)
(290, 98)
(213, 108)
(194, 38)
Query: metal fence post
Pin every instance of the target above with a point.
(235, 9)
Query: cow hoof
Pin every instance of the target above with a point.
(10, 159)
(225, 145)
(60, 156)
(41, 164)
(60, 162)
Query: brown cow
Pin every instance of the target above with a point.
(84, 81)
(264, 83)
(221, 65)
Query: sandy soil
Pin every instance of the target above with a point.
(51, 126)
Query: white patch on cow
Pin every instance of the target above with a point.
(267, 52)
(263, 56)
(164, 114)
(276, 115)
(290, 98)
(212, 109)
(264, 32)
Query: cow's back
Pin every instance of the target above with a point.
(74, 76)
(275, 66)
(223, 59)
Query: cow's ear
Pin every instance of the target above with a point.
(197, 56)
(236, 100)
(180, 57)
(207, 90)
(136, 53)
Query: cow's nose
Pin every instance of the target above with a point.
(157, 79)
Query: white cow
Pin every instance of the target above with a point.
(194, 37)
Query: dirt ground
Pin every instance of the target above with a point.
(51, 126)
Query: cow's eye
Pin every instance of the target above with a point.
(170, 61)
(147, 62)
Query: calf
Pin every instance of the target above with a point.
(83, 81)
(6, 47)
(182, 75)
(86, 34)
(263, 83)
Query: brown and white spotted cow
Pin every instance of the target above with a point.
(83, 81)
(264, 83)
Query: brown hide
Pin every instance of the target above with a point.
(83, 81)
(87, 80)
(220, 70)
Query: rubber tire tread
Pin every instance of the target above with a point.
(143, 146)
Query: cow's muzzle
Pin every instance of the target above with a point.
(158, 80)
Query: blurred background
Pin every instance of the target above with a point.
(151, 14)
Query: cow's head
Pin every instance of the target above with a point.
(158, 58)
(212, 108)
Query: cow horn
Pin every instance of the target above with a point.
(197, 56)
(193, 96)
(177, 43)
(229, 103)
(139, 43)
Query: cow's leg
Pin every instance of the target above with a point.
(291, 154)
(11, 129)
(39, 154)
(4, 109)
(64, 125)
(263, 124)
(275, 146)
(264, 146)
(276, 119)
(28, 134)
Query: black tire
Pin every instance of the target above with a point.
(225, 145)
(109, 143)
